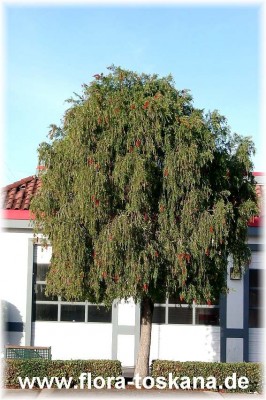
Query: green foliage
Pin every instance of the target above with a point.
(143, 195)
(59, 368)
(253, 371)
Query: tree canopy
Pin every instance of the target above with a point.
(143, 194)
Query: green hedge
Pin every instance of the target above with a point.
(253, 371)
(13, 368)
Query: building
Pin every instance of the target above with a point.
(229, 331)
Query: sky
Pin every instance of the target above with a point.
(51, 50)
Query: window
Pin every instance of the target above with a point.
(49, 308)
(256, 293)
(158, 314)
(176, 312)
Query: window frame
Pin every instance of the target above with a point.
(194, 306)
(59, 303)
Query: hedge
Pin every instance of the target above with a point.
(253, 371)
(13, 368)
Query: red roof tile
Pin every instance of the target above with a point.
(17, 196)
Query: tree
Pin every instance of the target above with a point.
(144, 196)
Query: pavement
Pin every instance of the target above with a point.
(123, 394)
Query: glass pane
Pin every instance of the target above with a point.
(40, 293)
(255, 318)
(255, 297)
(72, 313)
(207, 316)
(158, 315)
(256, 278)
(179, 315)
(45, 312)
(99, 314)
(41, 271)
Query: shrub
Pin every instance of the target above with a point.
(13, 368)
(253, 371)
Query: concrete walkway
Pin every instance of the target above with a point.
(121, 394)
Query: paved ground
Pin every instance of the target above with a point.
(121, 394)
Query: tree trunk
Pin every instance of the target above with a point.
(142, 365)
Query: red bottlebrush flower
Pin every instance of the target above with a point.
(187, 257)
(146, 104)
(104, 275)
(132, 107)
(146, 217)
(97, 76)
(41, 167)
(90, 161)
(97, 202)
(211, 229)
(145, 286)
(130, 149)
(93, 197)
(99, 120)
(209, 302)
(166, 173)
(138, 143)
(156, 254)
(93, 254)
(116, 278)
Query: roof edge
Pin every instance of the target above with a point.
(17, 214)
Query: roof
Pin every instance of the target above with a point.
(16, 198)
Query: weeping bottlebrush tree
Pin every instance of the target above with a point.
(143, 196)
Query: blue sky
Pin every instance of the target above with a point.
(51, 50)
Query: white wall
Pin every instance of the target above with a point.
(94, 341)
(185, 343)
(14, 253)
(73, 340)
